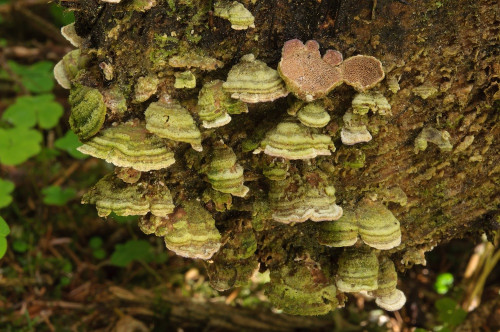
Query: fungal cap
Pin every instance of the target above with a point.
(378, 227)
(168, 119)
(192, 59)
(276, 170)
(185, 79)
(88, 111)
(387, 278)
(110, 194)
(351, 136)
(313, 115)
(305, 73)
(130, 145)
(362, 72)
(69, 32)
(193, 234)
(374, 101)
(358, 271)
(392, 302)
(339, 233)
(429, 134)
(240, 17)
(291, 140)
(145, 87)
(214, 105)
(252, 81)
(68, 67)
(225, 174)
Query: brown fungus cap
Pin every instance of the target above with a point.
(362, 72)
(306, 73)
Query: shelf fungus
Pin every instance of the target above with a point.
(430, 134)
(362, 72)
(194, 60)
(224, 174)
(313, 115)
(111, 194)
(308, 75)
(388, 297)
(302, 288)
(378, 227)
(130, 145)
(66, 70)
(192, 232)
(252, 81)
(145, 87)
(297, 199)
(370, 101)
(358, 270)
(168, 119)
(151, 224)
(276, 170)
(239, 17)
(354, 130)
(69, 32)
(339, 233)
(185, 80)
(292, 140)
(88, 111)
(215, 105)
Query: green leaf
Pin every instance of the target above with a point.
(131, 251)
(6, 188)
(61, 17)
(20, 246)
(95, 242)
(3, 246)
(69, 142)
(99, 253)
(55, 195)
(449, 311)
(27, 111)
(4, 228)
(18, 145)
(37, 78)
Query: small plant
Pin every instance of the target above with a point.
(444, 282)
(55, 195)
(449, 313)
(98, 251)
(6, 189)
(4, 231)
(132, 250)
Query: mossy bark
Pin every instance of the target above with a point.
(442, 71)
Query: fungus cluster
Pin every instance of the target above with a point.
(216, 200)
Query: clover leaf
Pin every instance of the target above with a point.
(6, 188)
(69, 142)
(55, 195)
(36, 78)
(27, 111)
(18, 145)
(130, 251)
(4, 228)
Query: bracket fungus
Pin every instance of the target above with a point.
(297, 199)
(145, 87)
(430, 134)
(378, 227)
(292, 140)
(192, 232)
(339, 233)
(168, 119)
(69, 32)
(224, 174)
(313, 115)
(68, 67)
(240, 17)
(358, 270)
(215, 105)
(306, 73)
(130, 145)
(370, 101)
(362, 72)
(388, 297)
(88, 111)
(354, 130)
(302, 288)
(185, 80)
(252, 81)
(111, 194)
(194, 60)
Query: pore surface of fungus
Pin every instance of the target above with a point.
(362, 72)
(306, 73)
